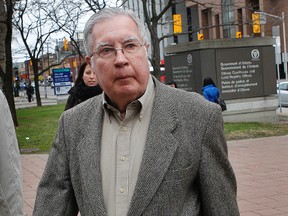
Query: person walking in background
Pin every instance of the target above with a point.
(142, 148)
(210, 91)
(29, 91)
(11, 194)
(86, 86)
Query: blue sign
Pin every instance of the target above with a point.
(62, 80)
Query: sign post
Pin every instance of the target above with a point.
(284, 44)
(62, 81)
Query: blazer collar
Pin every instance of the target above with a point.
(159, 150)
(90, 153)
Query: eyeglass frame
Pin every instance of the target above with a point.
(116, 49)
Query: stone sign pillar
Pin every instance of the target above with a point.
(243, 69)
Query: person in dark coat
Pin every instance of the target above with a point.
(210, 91)
(86, 86)
(29, 91)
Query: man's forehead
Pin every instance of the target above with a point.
(119, 32)
(117, 17)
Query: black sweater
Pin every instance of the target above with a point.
(80, 93)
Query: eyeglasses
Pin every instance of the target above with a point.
(108, 52)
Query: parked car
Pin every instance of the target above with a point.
(283, 86)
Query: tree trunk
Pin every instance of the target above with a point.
(8, 80)
(155, 58)
(3, 29)
(36, 79)
(37, 92)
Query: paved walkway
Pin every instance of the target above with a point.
(260, 165)
(22, 102)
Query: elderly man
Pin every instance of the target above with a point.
(142, 148)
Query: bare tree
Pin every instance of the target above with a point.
(68, 20)
(35, 28)
(72, 14)
(6, 66)
(96, 5)
(153, 16)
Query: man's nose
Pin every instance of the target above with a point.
(120, 57)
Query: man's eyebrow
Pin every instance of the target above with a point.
(101, 44)
(132, 38)
(129, 39)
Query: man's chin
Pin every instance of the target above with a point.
(128, 91)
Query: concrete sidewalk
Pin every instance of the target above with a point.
(22, 101)
(260, 165)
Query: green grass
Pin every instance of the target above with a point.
(234, 131)
(38, 125)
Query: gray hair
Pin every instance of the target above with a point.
(109, 13)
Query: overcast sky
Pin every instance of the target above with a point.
(19, 52)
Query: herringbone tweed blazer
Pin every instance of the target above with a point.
(184, 170)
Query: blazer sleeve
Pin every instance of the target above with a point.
(216, 177)
(55, 194)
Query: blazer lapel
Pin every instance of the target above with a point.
(158, 152)
(90, 153)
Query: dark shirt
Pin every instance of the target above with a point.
(29, 90)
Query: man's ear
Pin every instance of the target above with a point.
(147, 45)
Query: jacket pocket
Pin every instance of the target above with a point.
(181, 174)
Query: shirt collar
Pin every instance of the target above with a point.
(145, 100)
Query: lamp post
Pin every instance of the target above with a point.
(282, 18)
(284, 44)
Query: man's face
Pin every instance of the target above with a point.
(122, 76)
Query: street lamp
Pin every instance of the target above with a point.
(284, 37)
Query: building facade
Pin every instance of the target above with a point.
(216, 19)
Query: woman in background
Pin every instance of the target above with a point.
(210, 91)
(86, 86)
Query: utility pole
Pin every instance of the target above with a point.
(284, 44)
